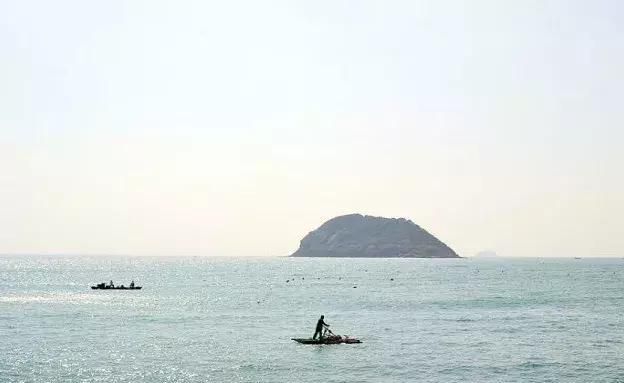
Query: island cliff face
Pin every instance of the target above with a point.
(355, 235)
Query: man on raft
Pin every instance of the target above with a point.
(319, 328)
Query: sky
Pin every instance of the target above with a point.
(233, 128)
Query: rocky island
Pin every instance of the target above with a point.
(489, 254)
(355, 235)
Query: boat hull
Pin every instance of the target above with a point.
(326, 341)
(117, 288)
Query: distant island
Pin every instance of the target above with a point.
(489, 254)
(355, 235)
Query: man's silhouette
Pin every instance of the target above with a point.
(319, 328)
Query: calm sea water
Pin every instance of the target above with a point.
(231, 320)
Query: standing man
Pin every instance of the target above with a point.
(319, 328)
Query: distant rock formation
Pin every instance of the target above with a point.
(355, 235)
(486, 254)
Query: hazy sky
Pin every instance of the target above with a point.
(235, 127)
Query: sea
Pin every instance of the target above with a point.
(219, 319)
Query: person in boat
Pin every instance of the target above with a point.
(132, 284)
(319, 328)
(111, 285)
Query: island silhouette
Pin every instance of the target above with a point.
(356, 235)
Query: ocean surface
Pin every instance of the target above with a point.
(231, 319)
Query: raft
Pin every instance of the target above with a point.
(327, 340)
(116, 288)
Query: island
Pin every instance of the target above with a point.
(357, 235)
(487, 254)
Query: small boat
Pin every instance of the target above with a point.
(334, 339)
(103, 286)
(116, 288)
(328, 338)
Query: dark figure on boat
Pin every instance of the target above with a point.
(132, 284)
(111, 285)
(319, 327)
